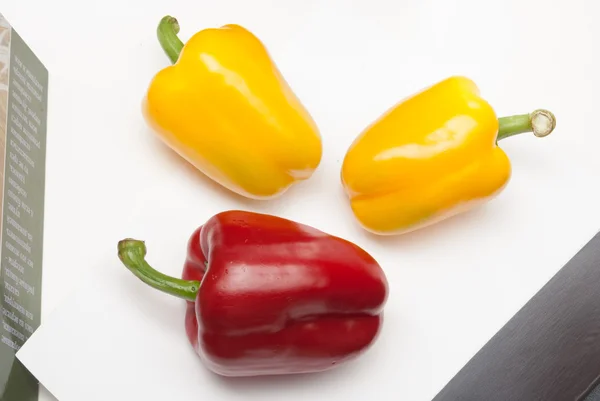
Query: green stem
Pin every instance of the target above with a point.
(132, 253)
(540, 122)
(167, 31)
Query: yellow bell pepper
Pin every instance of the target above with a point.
(225, 107)
(432, 156)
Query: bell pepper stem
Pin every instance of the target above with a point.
(167, 31)
(132, 253)
(541, 122)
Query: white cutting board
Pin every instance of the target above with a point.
(452, 286)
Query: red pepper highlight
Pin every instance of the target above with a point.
(267, 295)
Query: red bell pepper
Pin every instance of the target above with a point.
(266, 295)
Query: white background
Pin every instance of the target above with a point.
(452, 286)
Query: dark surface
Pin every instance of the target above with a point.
(594, 395)
(21, 385)
(548, 351)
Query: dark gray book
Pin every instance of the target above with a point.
(548, 351)
(23, 113)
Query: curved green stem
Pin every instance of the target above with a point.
(167, 31)
(133, 252)
(540, 122)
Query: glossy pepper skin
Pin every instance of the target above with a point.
(270, 296)
(432, 156)
(225, 107)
